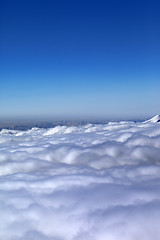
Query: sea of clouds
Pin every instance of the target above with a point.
(92, 182)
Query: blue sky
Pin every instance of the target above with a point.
(79, 59)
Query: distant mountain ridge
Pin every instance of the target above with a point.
(155, 119)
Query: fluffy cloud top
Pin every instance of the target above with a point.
(93, 182)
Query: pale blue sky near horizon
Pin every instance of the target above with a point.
(79, 59)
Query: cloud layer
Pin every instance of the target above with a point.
(93, 182)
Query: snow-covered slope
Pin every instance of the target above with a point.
(154, 119)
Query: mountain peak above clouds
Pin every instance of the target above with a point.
(155, 119)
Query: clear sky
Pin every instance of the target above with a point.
(79, 59)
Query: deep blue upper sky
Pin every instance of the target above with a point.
(81, 59)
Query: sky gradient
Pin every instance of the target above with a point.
(79, 59)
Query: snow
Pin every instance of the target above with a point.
(154, 119)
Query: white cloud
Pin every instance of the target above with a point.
(91, 182)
